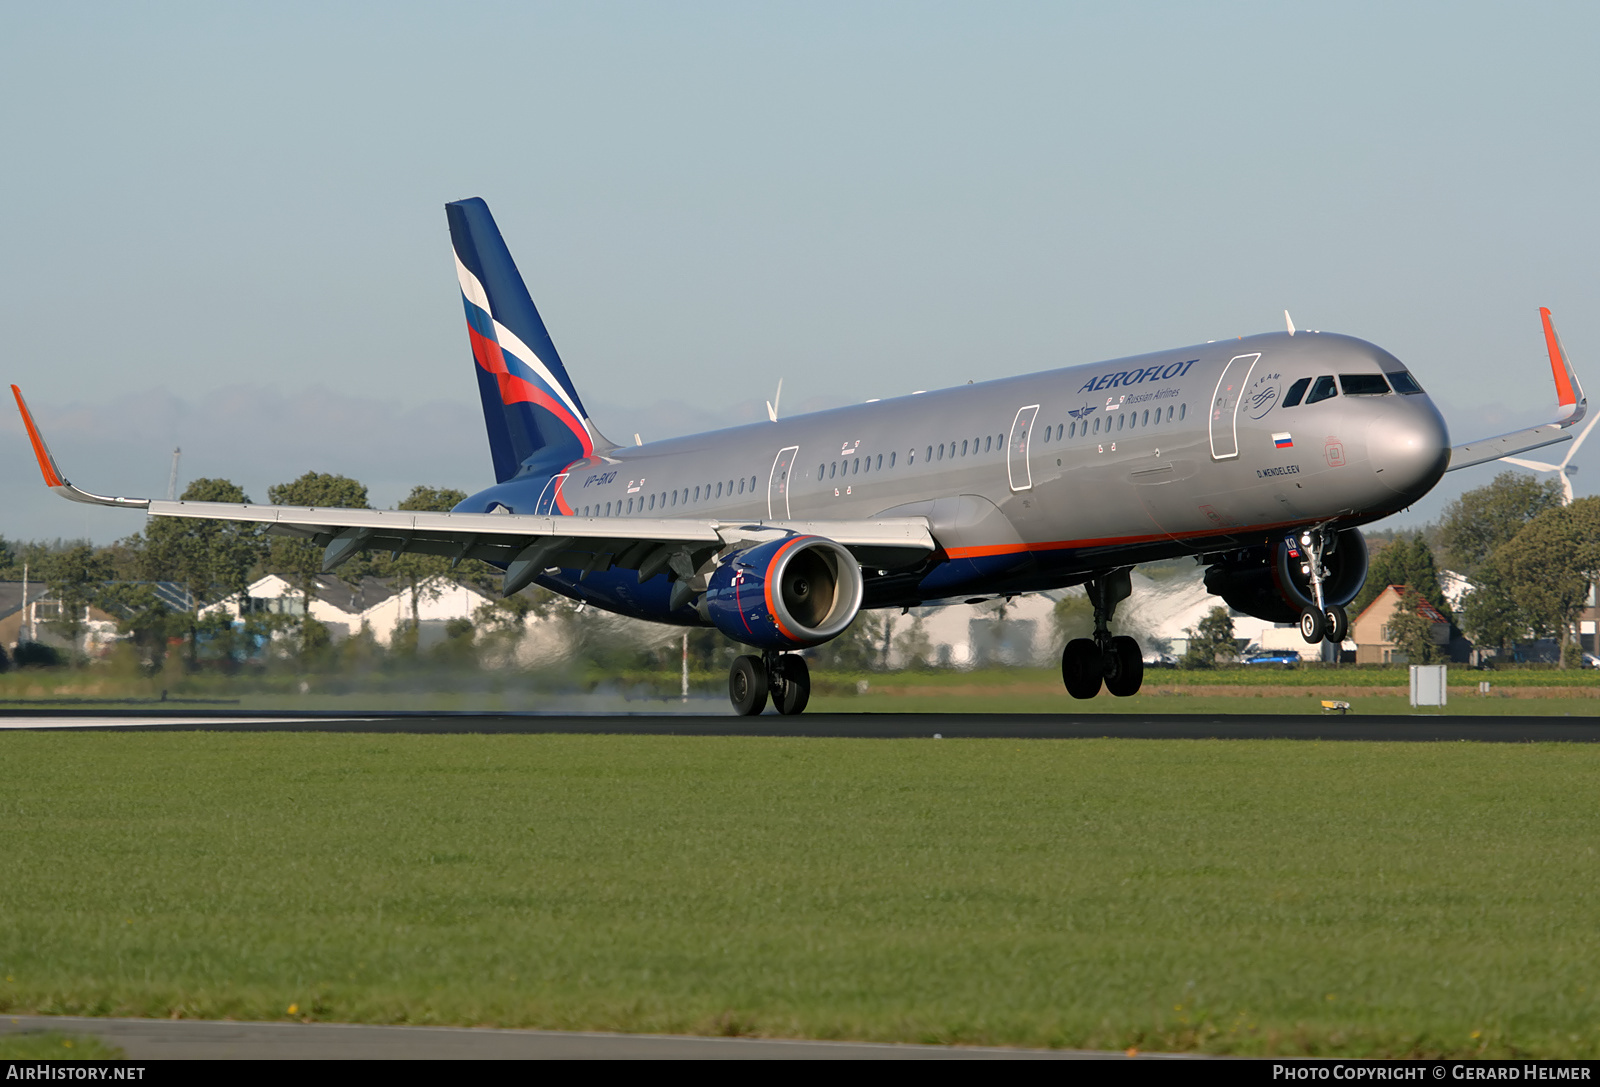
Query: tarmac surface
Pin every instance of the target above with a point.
(205, 1039)
(1055, 726)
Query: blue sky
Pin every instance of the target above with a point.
(224, 228)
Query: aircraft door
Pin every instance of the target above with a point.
(778, 485)
(549, 498)
(1017, 449)
(1225, 405)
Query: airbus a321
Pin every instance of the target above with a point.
(1262, 456)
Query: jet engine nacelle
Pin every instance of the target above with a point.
(788, 594)
(1274, 583)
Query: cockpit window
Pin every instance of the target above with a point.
(1363, 384)
(1296, 393)
(1324, 389)
(1403, 382)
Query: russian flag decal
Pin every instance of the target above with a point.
(1283, 441)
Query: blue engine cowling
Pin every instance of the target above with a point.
(789, 594)
(1272, 582)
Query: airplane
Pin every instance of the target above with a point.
(1261, 456)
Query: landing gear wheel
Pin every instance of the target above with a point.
(1081, 668)
(1338, 623)
(793, 689)
(747, 686)
(1313, 625)
(1124, 666)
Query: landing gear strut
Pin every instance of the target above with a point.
(1323, 621)
(782, 676)
(1117, 662)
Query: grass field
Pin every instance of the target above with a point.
(1237, 897)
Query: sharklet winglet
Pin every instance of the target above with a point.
(52, 474)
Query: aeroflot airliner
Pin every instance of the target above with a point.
(1260, 455)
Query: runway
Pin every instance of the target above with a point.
(1418, 728)
(202, 1039)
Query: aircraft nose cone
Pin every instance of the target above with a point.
(1409, 447)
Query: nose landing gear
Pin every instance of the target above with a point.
(1117, 662)
(782, 676)
(1325, 621)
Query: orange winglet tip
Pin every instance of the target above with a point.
(47, 464)
(1566, 395)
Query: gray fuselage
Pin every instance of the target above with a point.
(1038, 481)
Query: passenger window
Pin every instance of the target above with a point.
(880, 461)
(1296, 393)
(891, 458)
(1119, 422)
(867, 467)
(855, 466)
(1404, 383)
(929, 455)
(697, 492)
(1322, 390)
(1146, 417)
(752, 484)
(630, 505)
(963, 447)
(1097, 424)
(833, 469)
(1183, 409)
(1363, 384)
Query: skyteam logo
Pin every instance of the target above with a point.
(1262, 396)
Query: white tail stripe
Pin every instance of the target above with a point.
(508, 340)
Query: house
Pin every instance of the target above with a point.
(345, 605)
(1370, 629)
(37, 621)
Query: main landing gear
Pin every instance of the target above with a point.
(1117, 662)
(782, 676)
(1322, 621)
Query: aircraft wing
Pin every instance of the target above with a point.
(1569, 397)
(524, 544)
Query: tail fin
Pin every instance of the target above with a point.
(530, 405)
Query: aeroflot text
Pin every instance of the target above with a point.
(1457, 1071)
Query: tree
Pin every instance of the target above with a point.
(1410, 630)
(143, 617)
(1482, 521)
(299, 560)
(1211, 641)
(1404, 562)
(1489, 613)
(75, 575)
(420, 572)
(212, 560)
(1549, 567)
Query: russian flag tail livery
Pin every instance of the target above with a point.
(532, 410)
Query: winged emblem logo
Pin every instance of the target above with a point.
(1084, 412)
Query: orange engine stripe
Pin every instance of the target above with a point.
(1111, 541)
(51, 477)
(772, 605)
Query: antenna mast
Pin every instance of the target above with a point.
(172, 480)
